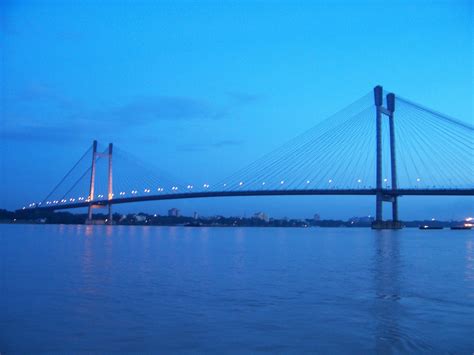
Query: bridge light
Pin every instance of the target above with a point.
(241, 183)
(225, 185)
(359, 181)
(23, 208)
(282, 182)
(307, 181)
(330, 181)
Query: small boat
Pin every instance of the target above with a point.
(425, 226)
(193, 224)
(461, 227)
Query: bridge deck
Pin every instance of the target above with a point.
(315, 192)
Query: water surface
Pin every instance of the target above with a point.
(277, 290)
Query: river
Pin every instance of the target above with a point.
(234, 290)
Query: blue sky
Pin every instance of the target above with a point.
(202, 88)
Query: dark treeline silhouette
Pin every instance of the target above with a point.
(50, 217)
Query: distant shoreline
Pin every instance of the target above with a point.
(144, 219)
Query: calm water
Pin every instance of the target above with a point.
(178, 289)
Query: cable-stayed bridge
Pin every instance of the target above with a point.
(380, 145)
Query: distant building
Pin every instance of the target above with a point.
(195, 216)
(174, 212)
(261, 216)
(317, 217)
(140, 218)
(362, 220)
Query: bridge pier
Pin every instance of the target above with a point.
(110, 194)
(92, 183)
(380, 110)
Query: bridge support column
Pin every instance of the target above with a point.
(393, 163)
(381, 194)
(378, 92)
(92, 183)
(110, 189)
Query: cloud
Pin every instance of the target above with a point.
(28, 133)
(147, 110)
(38, 92)
(41, 112)
(242, 98)
(201, 147)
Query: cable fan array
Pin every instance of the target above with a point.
(433, 151)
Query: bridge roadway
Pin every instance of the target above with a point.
(314, 192)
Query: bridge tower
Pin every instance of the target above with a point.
(382, 195)
(110, 194)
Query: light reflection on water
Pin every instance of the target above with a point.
(470, 266)
(178, 289)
